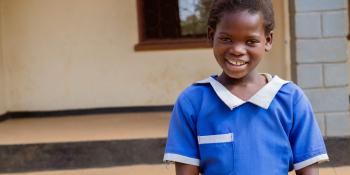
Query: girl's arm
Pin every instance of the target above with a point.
(309, 170)
(185, 169)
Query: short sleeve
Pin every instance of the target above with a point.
(306, 139)
(182, 144)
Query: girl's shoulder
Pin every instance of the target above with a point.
(195, 91)
(292, 91)
(195, 94)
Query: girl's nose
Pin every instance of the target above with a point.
(237, 49)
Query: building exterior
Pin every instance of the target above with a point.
(59, 55)
(86, 54)
(319, 60)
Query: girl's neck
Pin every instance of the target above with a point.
(251, 78)
(244, 88)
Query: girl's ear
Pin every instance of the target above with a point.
(210, 35)
(268, 44)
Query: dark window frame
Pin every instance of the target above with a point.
(164, 44)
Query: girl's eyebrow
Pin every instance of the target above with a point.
(254, 35)
(223, 33)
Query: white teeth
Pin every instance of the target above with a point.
(236, 63)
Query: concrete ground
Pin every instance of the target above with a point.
(155, 170)
(85, 128)
(100, 127)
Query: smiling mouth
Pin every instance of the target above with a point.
(236, 62)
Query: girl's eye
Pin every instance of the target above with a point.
(252, 42)
(225, 39)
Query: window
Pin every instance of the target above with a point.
(172, 24)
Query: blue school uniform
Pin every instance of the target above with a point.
(273, 132)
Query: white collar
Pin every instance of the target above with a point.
(262, 98)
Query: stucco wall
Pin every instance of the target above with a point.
(64, 54)
(2, 73)
(2, 85)
(2, 89)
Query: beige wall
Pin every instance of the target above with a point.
(2, 73)
(2, 85)
(63, 54)
(278, 60)
(2, 88)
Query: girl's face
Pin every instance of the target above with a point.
(239, 42)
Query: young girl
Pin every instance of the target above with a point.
(242, 122)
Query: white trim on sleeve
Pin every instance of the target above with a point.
(180, 158)
(220, 138)
(305, 163)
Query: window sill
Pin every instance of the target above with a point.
(174, 44)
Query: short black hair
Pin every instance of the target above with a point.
(220, 7)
